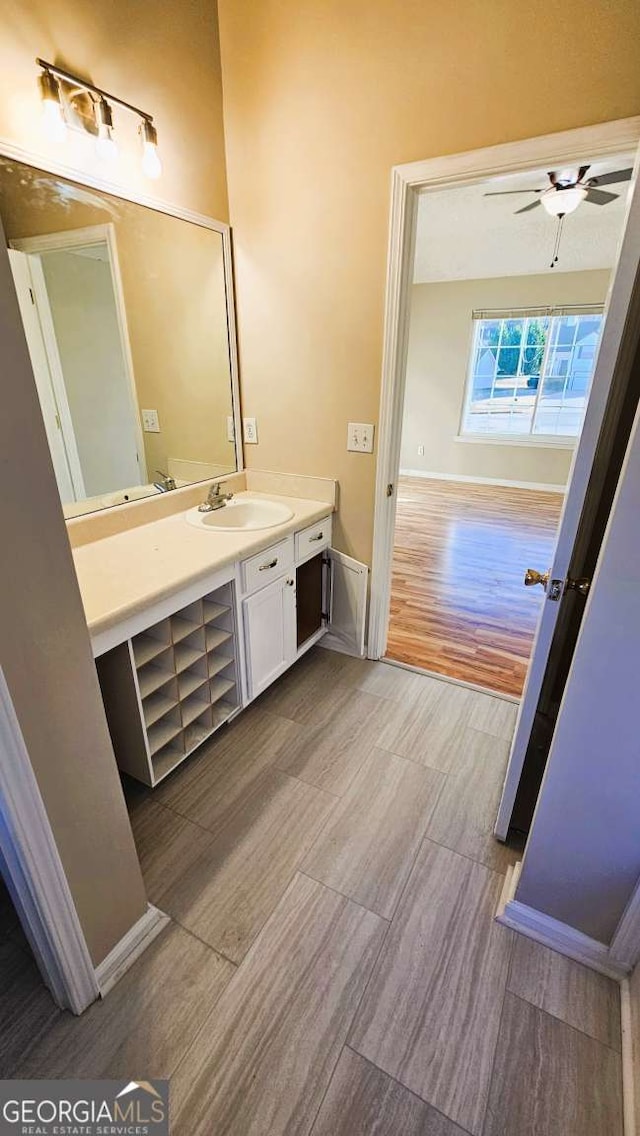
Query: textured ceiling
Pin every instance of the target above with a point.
(463, 235)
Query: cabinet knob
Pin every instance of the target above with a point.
(318, 537)
(290, 583)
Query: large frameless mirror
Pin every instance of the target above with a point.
(126, 312)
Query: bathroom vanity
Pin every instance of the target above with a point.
(178, 656)
(129, 318)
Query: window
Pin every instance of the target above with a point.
(530, 372)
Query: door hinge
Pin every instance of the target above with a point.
(326, 590)
(579, 584)
(390, 488)
(33, 299)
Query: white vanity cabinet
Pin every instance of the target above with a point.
(273, 601)
(269, 619)
(294, 593)
(176, 672)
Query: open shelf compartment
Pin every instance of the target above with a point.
(168, 688)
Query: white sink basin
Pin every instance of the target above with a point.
(241, 513)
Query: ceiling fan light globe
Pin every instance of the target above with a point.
(563, 201)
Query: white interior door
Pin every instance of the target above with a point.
(616, 309)
(69, 491)
(76, 286)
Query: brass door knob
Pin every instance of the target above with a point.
(532, 577)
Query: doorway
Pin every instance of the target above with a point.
(504, 328)
(553, 152)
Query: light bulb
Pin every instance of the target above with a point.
(563, 201)
(106, 146)
(52, 116)
(151, 164)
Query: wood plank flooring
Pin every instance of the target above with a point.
(458, 603)
(332, 966)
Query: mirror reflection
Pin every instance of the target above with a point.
(124, 311)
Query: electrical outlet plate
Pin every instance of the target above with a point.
(150, 421)
(360, 437)
(250, 431)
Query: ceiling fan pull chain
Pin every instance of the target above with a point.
(556, 247)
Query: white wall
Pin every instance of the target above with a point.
(439, 344)
(583, 854)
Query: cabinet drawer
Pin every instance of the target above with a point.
(266, 566)
(313, 539)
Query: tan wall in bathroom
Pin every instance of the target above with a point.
(321, 100)
(165, 58)
(46, 657)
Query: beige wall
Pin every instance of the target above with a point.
(46, 657)
(165, 58)
(161, 57)
(634, 998)
(437, 362)
(321, 100)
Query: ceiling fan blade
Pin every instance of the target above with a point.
(505, 192)
(598, 197)
(613, 178)
(533, 205)
(581, 172)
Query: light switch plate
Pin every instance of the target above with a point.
(231, 433)
(150, 421)
(360, 437)
(250, 431)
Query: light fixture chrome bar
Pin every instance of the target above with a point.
(84, 85)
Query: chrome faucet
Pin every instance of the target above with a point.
(215, 499)
(165, 484)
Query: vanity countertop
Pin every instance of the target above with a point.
(122, 575)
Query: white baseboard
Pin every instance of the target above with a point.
(552, 933)
(539, 486)
(130, 947)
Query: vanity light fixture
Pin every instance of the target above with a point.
(60, 89)
(52, 116)
(106, 145)
(151, 163)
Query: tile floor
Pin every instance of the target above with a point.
(332, 966)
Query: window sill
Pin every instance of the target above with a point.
(553, 443)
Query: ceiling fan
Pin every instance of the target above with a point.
(568, 189)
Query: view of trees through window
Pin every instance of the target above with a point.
(530, 373)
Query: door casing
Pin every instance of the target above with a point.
(407, 182)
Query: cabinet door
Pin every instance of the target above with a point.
(270, 633)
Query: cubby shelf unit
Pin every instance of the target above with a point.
(170, 687)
